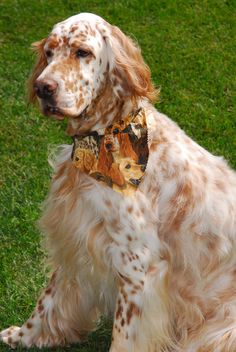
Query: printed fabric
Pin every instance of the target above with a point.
(117, 155)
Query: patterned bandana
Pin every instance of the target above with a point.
(117, 155)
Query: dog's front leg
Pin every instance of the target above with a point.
(62, 315)
(135, 260)
(129, 304)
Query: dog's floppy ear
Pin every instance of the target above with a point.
(128, 65)
(41, 63)
(104, 159)
(126, 147)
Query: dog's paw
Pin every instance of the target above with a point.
(11, 336)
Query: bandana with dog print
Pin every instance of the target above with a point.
(117, 155)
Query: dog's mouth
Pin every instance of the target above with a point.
(53, 111)
(110, 147)
(58, 114)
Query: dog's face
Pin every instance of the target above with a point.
(77, 60)
(111, 143)
(111, 140)
(131, 170)
(88, 70)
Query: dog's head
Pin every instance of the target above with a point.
(85, 68)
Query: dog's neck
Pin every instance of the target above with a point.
(108, 107)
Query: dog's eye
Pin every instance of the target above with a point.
(82, 53)
(128, 166)
(48, 53)
(116, 131)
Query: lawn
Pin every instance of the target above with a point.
(190, 47)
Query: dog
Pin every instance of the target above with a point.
(114, 148)
(162, 261)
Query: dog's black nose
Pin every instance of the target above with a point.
(108, 146)
(135, 181)
(45, 89)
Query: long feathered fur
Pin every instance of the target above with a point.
(161, 263)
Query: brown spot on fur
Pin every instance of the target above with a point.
(130, 209)
(119, 311)
(108, 202)
(213, 243)
(153, 147)
(117, 225)
(53, 43)
(21, 334)
(181, 202)
(70, 86)
(137, 287)
(65, 39)
(29, 325)
(124, 294)
(40, 308)
(79, 102)
(132, 310)
(126, 279)
(73, 29)
(220, 185)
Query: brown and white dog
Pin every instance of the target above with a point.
(162, 262)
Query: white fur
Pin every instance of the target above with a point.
(162, 262)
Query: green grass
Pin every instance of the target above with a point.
(190, 47)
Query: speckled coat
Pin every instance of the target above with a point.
(162, 262)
